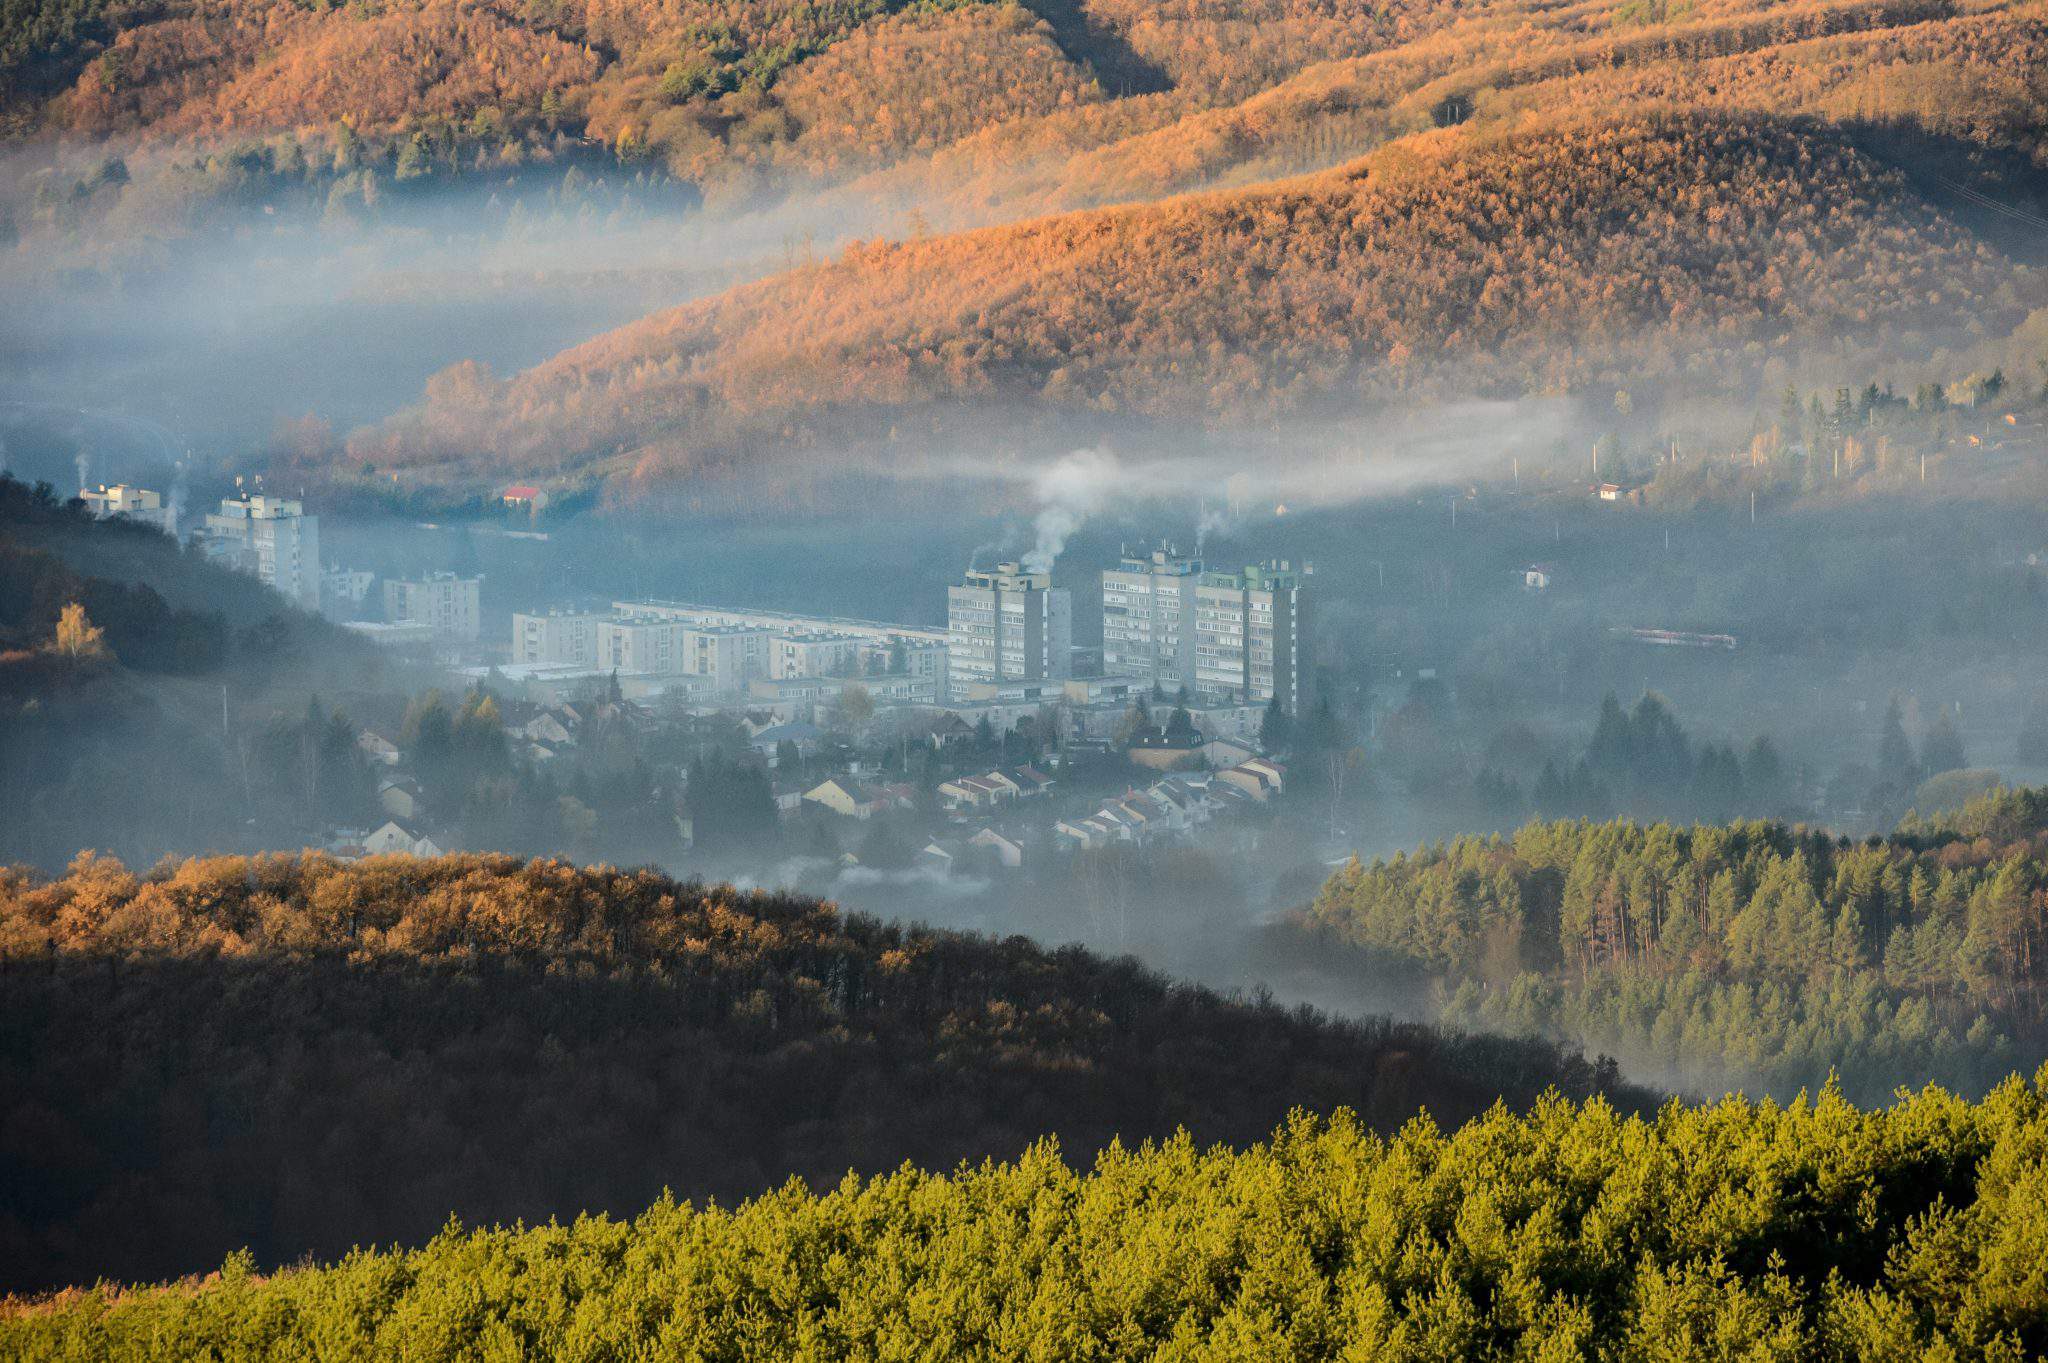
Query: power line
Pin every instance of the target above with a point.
(1986, 201)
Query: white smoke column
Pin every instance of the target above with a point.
(1212, 521)
(3, 454)
(1072, 490)
(84, 462)
(177, 499)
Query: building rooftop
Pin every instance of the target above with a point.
(1162, 558)
(1009, 577)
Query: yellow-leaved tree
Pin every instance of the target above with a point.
(78, 637)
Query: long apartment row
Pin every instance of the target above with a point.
(1237, 637)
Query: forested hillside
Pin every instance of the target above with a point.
(141, 680)
(1734, 1231)
(1750, 954)
(1556, 258)
(302, 1056)
(1487, 199)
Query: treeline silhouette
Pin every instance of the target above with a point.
(301, 1056)
(1753, 953)
(1732, 1231)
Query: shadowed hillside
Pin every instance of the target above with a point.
(302, 1056)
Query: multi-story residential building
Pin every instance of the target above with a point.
(727, 656)
(730, 656)
(271, 537)
(1250, 635)
(343, 590)
(1005, 624)
(446, 603)
(640, 644)
(1148, 617)
(1166, 621)
(816, 653)
(919, 656)
(555, 638)
(887, 647)
(136, 503)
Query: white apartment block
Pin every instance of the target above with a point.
(727, 656)
(640, 644)
(271, 537)
(916, 657)
(447, 604)
(1251, 635)
(346, 586)
(1005, 624)
(1148, 617)
(920, 652)
(136, 503)
(555, 638)
(816, 654)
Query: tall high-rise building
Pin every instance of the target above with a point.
(271, 537)
(1148, 617)
(1005, 624)
(1251, 631)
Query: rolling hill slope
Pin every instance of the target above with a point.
(1563, 256)
(1495, 197)
(301, 1056)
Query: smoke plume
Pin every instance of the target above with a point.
(1076, 487)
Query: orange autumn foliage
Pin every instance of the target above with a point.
(1529, 262)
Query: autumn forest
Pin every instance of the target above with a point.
(1604, 915)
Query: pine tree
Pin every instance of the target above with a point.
(1942, 748)
(1895, 760)
(1276, 727)
(1763, 775)
(2032, 745)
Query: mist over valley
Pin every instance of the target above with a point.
(1257, 678)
